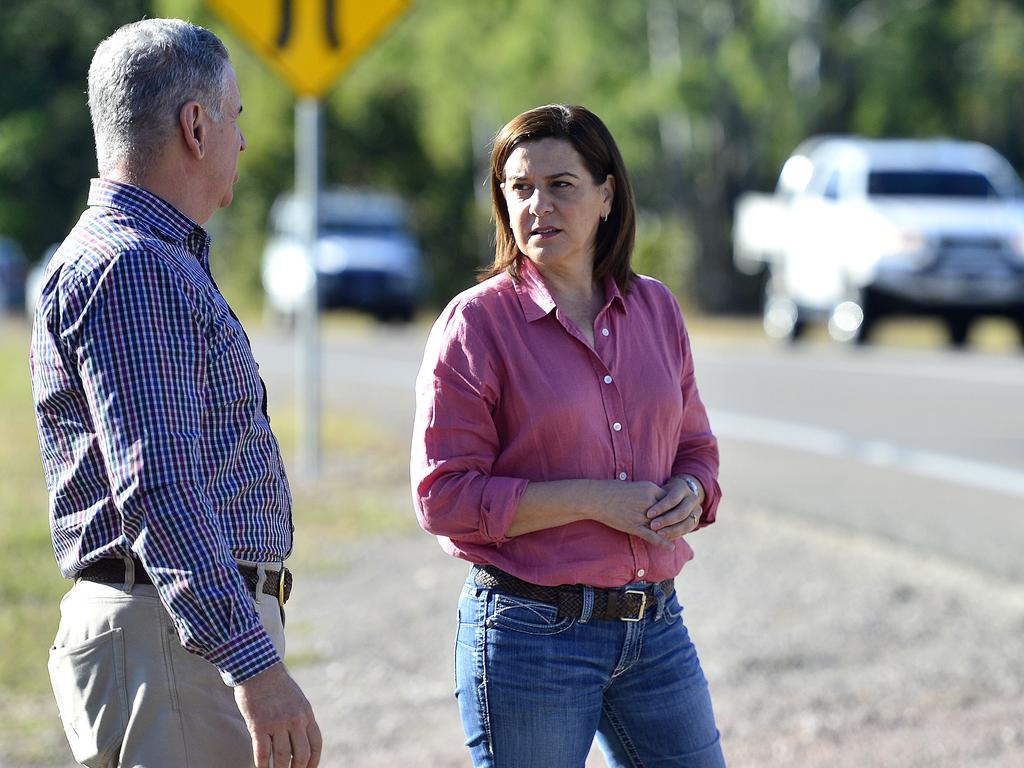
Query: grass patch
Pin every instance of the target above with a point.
(363, 488)
(30, 585)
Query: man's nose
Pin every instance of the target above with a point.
(244, 142)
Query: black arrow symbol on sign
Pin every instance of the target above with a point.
(330, 24)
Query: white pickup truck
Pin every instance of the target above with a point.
(858, 229)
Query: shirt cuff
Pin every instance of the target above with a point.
(245, 656)
(712, 493)
(499, 505)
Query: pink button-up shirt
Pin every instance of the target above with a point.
(511, 392)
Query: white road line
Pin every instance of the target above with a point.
(875, 453)
(973, 370)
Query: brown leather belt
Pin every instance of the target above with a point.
(112, 571)
(609, 604)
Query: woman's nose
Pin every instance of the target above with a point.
(540, 202)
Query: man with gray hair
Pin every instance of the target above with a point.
(169, 504)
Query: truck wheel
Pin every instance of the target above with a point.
(958, 327)
(782, 318)
(865, 330)
(402, 315)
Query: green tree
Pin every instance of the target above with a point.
(706, 98)
(46, 149)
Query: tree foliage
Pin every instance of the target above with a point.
(46, 148)
(706, 98)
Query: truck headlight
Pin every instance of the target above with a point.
(1017, 246)
(912, 240)
(909, 247)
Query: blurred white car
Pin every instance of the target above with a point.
(858, 229)
(366, 257)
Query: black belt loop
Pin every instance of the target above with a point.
(611, 605)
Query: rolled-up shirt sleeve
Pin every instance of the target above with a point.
(455, 440)
(697, 453)
(142, 356)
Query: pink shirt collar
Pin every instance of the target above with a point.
(536, 299)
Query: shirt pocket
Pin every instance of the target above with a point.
(89, 684)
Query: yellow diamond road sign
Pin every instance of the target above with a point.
(309, 42)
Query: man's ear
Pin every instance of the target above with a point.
(192, 121)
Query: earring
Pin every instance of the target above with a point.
(605, 218)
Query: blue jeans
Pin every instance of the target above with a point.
(534, 689)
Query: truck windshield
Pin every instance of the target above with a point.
(359, 228)
(930, 184)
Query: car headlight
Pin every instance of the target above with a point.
(1017, 246)
(906, 246)
(288, 279)
(912, 240)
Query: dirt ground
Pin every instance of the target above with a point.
(822, 648)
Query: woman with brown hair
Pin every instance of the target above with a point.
(562, 448)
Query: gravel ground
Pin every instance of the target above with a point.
(822, 647)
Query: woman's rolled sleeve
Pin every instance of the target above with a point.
(697, 453)
(455, 442)
(468, 507)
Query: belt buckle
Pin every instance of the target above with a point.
(280, 586)
(643, 605)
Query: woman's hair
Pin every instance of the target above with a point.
(613, 247)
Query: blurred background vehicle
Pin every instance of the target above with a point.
(366, 256)
(12, 277)
(34, 279)
(858, 229)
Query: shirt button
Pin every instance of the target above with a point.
(605, 332)
(640, 573)
(607, 379)
(622, 475)
(617, 427)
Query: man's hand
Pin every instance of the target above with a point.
(280, 720)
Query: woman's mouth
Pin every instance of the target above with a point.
(544, 232)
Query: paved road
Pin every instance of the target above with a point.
(860, 604)
(925, 447)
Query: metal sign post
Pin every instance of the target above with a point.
(308, 178)
(309, 43)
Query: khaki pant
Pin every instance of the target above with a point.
(131, 696)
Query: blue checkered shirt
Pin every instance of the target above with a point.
(152, 422)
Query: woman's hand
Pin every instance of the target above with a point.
(677, 512)
(656, 514)
(624, 506)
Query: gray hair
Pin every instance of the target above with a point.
(139, 79)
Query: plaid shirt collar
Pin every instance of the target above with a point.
(164, 220)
